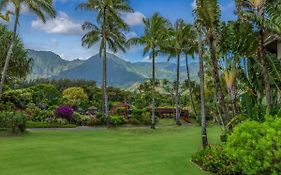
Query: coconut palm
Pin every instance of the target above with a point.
(108, 33)
(208, 16)
(204, 136)
(265, 16)
(154, 34)
(6, 16)
(190, 48)
(40, 8)
(175, 46)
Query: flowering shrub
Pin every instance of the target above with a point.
(64, 112)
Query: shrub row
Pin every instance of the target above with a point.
(253, 148)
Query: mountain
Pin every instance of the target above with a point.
(121, 73)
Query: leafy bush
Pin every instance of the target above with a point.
(257, 146)
(14, 120)
(45, 94)
(134, 121)
(74, 96)
(20, 97)
(95, 121)
(137, 113)
(81, 120)
(146, 118)
(116, 120)
(214, 159)
(64, 112)
(8, 106)
(43, 116)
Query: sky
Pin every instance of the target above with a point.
(62, 35)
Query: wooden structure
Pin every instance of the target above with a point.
(163, 112)
(121, 109)
(273, 45)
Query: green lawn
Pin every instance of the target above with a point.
(166, 151)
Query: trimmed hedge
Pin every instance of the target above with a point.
(31, 124)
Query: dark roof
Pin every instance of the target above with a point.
(271, 43)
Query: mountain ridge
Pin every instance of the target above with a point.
(121, 73)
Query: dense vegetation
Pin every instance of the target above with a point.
(239, 87)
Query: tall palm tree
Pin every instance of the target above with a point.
(174, 46)
(154, 34)
(108, 34)
(204, 136)
(190, 49)
(40, 8)
(264, 14)
(208, 16)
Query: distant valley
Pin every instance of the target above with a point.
(121, 73)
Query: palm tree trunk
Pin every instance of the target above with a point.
(215, 74)
(104, 86)
(265, 72)
(177, 92)
(202, 97)
(153, 118)
(10, 52)
(190, 87)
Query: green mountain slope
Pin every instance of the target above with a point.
(120, 72)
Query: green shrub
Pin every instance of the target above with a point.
(81, 120)
(257, 146)
(74, 96)
(137, 113)
(31, 124)
(146, 118)
(43, 116)
(8, 106)
(121, 110)
(116, 120)
(134, 121)
(214, 159)
(95, 121)
(20, 97)
(14, 120)
(45, 94)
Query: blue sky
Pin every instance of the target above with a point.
(63, 34)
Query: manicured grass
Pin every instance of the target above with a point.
(165, 151)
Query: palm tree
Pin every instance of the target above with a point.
(154, 34)
(174, 46)
(189, 49)
(207, 15)
(40, 8)
(204, 136)
(108, 33)
(6, 17)
(264, 14)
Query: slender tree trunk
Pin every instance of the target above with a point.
(153, 118)
(190, 87)
(265, 73)
(104, 86)
(10, 52)
(202, 97)
(215, 74)
(177, 92)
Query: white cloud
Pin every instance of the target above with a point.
(131, 34)
(193, 4)
(134, 19)
(11, 7)
(146, 59)
(62, 24)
